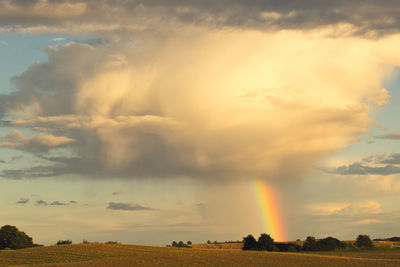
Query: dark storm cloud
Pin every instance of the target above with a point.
(126, 206)
(381, 16)
(376, 165)
(58, 203)
(53, 203)
(359, 169)
(393, 159)
(22, 201)
(41, 203)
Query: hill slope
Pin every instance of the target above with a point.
(129, 255)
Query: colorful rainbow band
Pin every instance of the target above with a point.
(268, 204)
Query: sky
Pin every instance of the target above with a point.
(145, 122)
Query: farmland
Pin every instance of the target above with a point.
(130, 255)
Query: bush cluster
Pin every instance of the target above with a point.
(64, 242)
(266, 242)
(180, 244)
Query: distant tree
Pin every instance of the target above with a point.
(174, 244)
(250, 243)
(181, 244)
(189, 242)
(310, 244)
(11, 237)
(64, 242)
(208, 241)
(265, 242)
(363, 241)
(215, 242)
(345, 244)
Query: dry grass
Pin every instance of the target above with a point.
(218, 246)
(128, 255)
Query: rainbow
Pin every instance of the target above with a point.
(268, 204)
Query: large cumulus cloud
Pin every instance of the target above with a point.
(216, 104)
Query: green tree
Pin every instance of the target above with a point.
(11, 237)
(174, 244)
(250, 243)
(363, 241)
(310, 244)
(189, 242)
(265, 242)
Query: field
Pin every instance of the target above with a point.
(129, 255)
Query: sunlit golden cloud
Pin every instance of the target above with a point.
(216, 104)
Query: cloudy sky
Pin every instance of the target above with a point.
(148, 121)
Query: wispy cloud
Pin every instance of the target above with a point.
(3, 42)
(394, 136)
(120, 192)
(367, 221)
(38, 143)
(126, 206)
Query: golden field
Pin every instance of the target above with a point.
(130, 255)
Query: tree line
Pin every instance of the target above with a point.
(266, 243)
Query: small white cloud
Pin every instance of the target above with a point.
(58, 39)
(343, 208)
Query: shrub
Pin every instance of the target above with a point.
(180, 244)
(111, 243)
(189, 242)
(64, 242)
(12, 238)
